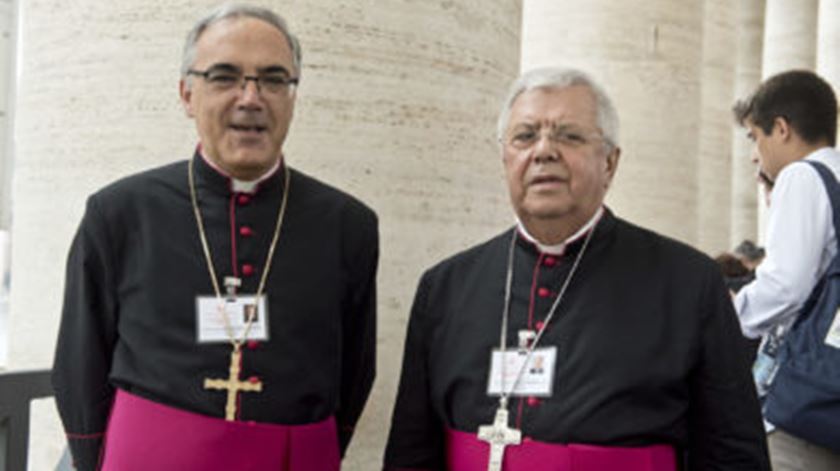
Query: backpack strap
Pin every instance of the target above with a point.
(833, 190)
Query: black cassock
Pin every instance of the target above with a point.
(649, 351)
(135, 269)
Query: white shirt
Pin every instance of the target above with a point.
(800, 243)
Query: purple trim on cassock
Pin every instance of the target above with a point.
(144, 435)
(465, 452)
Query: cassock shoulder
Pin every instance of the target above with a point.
(173, 174)
(683, 275)
(328, 198)
(128, 192)
(112, 210)
(468, 260)
(662, 253)
(349, 221)
(468, 268)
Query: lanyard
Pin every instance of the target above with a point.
(506, 311)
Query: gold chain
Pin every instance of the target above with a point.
(237, 343)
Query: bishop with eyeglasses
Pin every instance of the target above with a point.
(574, 340)
(220, 312)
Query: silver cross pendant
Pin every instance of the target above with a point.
(499, 436)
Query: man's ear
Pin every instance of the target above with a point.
(185, 93)
(782, 126)
(612, 163)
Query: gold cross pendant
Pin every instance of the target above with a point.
(232, 384)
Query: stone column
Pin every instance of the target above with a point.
(397, 105)
(790, 40)
(8, 42)
(828, 42)
(647, 53)
(748, 47)
(7, 75)
(714, 155)
(790, 36)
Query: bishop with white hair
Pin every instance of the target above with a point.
(575, 340)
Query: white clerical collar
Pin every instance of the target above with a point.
(558, 249)
(243, 186)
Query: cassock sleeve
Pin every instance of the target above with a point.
(725, 426)
(416, 439)
(86, 341)
(358, 350)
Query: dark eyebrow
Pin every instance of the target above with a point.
(227, 67)
(568, 127)
(224, 67)
(524, 125)
(274, 69)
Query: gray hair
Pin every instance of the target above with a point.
(232, 10)
(557, 77)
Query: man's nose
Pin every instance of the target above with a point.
(250, 93)
(754, 156)
(544, 149)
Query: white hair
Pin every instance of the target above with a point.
(558, 78)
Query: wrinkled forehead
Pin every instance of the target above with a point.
(243, 42)
(555, 106)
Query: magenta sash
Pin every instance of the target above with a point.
(465, 452)
(145, 435)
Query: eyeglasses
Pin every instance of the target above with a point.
(525, 137)
(222, 79)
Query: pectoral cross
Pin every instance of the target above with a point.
(499, 435)
(232, 384)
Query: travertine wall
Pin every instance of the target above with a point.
(714, 156)
(7, 75)
(7, 56)
(790, 42)
(790, 36)
(748, 47)
(397, 105)
(828, 42)
(647, 53)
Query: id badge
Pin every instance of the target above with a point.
(537, 379)
(211, 322)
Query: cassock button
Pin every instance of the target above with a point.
(247, 269)
(243, 199)
(246, 231)
(253, 344)
(550, 261)
(543, 292)
(539, 325)
(254, 379)
(533, 401)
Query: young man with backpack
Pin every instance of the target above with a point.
(792, 119)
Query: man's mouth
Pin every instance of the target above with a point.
(765, 179)
(546, 179)
(248, 128)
